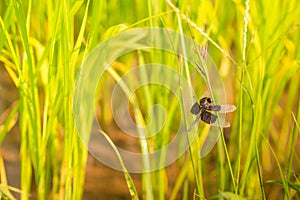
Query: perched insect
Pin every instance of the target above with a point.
(203, 111)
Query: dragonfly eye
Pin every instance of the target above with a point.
(209, 100)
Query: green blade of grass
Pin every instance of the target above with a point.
(284, 182)
(290, 185)
(129, 181)
(10, 121)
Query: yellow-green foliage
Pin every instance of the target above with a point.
(255, 44)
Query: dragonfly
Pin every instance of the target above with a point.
(203, 109)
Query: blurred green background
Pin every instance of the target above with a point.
(255, 45)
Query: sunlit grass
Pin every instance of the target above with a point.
(255, 45)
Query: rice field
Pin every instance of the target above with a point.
(96, 99)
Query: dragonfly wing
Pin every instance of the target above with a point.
(226, 108)
(214, 108)
(195, 109)
(194, 123)
(208, 117)
(221, 122)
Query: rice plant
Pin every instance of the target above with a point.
(46, 45)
